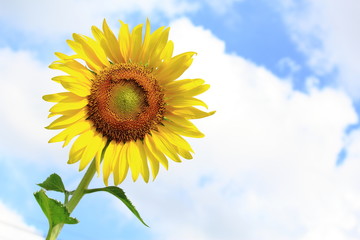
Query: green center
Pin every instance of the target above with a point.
(127, 99)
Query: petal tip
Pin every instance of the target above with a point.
(212, 113)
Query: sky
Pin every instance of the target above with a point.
(281, 156)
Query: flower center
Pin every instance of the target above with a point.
(127, 99)
(126, 102)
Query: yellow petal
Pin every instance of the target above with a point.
(63, 97)
(97, 50)
(124, 41)
(184, 131)
(78, 48)
(100, 37)
(81, 80)
(144, 169)
(180, 120)
(145, 46)
(157, 44)
(65, 106)
(77, 89)
(185, 154)
(185, 84)
(76, 156)
(66, 120)
(155, 151)
(136, 42)
(55, 114)
(63, 56)
(113, 43)
(75, 69)
(75, 133)
(154, 163)
(165, 147)
(124, 165)
(133, 156)
(108, 161)
(79, 146)
(72, 84)
(92, 50)
(160, 43)
(196, 91)
(93, 146)
(121, 166)
(174, 139)
(98, 157)
(175, 67)
(190, 112)
(167, 52)
(70, 132)
(154, 40)
(186, 89)
(180, 101)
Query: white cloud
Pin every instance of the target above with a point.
(44, 21)
(24, 80)
(53, 19)
(13, 226)
(326, 30)
(266, 169)
(288, 65)
(222, 6)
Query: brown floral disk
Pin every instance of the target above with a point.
(125, 103)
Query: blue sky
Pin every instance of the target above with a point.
(284, 81)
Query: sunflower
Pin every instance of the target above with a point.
(124, 102)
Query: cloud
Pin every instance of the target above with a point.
(24, 80)
(325, 31)
(53, 19)
(45, 22)
(222, 6)
(288, 66)
(266, 169)
(12, 226)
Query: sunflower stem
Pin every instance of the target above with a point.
(54, 232)
(80, 190)
(75, 199)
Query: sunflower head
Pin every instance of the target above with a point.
(124, 102)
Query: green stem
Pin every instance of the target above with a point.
(80, 190)
(75, 199)
(54, 232)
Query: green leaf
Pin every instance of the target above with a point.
(54, 210)
(120, 194)
(53, 183)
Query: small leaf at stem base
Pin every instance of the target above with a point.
(53, 183)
